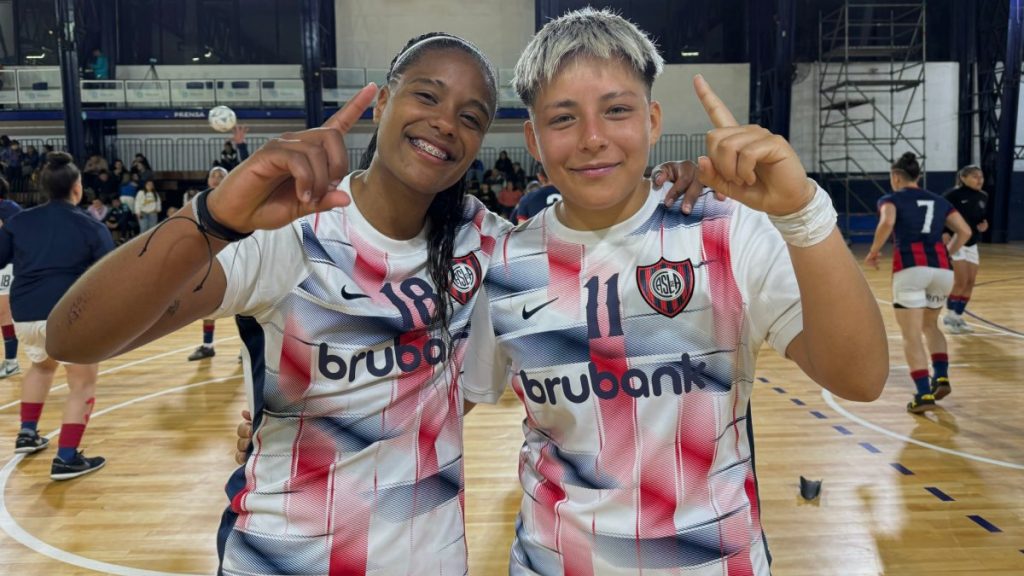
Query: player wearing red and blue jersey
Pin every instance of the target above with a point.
(922, 273)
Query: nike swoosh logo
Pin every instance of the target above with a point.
(528, 313)
(350, 296)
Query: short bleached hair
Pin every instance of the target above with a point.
(600, 34)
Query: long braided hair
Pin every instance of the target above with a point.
(444, 215)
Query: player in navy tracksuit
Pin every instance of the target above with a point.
(922, 273)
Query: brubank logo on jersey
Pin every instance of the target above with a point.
(676, 378)
(407, 357)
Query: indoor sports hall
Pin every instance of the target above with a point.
(162, 99)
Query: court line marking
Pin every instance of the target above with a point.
(831, 401)
(121, 367)
(987, 326)
(10, 526)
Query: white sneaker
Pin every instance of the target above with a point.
(962, 324)
(952, 324)
(9, 368)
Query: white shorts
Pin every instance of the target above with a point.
(6, 279)
(921, 287)
(32, 339)
(968, 254)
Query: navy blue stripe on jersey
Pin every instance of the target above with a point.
(505, 278)
(691, 547)
(405, 501)
(670, 217)
(254, 341)
(753, 471)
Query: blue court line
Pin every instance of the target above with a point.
(762, 379)
(779, 390)
(842, 430)
(901, 468)
(818, 415)
(984, 523)
(867, 446)
(798, 402)
(940, 494)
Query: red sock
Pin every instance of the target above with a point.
(30, 413)
(8, 331)
(70, 435)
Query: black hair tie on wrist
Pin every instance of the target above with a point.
(210, 226)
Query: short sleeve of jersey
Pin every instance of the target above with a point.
(764, 273)
(485, 367)
(887, 199)
(261, 270)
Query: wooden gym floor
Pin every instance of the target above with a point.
(902, 495)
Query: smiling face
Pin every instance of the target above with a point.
(432, 120)
(592, 127)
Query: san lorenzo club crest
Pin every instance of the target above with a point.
(465, 277)
(666, 286)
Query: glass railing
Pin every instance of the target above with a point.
(40, 88)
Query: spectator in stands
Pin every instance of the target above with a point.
(12, 158)
(100, 65)
(475, 172)
(33, 161)
(147, 206)
(503, 164)
(95, 164)
(129, 191)
(238, 137)
(141, 166)
(105, 187)
(97, 209)
(508, 198)
(118, 221)
(228, 156)
(119, 174)
(487, 197)
(518, 176)
(189, 195)
(495, 178)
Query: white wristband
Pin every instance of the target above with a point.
(811, 225)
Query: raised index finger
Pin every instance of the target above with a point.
(352, 111)
(717, 111)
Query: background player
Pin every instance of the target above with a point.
(969, 200)
(51, 246)
(10, 367)
(922, 274)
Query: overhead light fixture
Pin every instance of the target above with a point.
(195, 58)
(35, 57)
(209, 53)
(688, 54)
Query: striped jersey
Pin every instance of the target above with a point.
(917, 235)
(633, 351)
(356, 463)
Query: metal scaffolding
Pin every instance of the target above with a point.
(871, 100)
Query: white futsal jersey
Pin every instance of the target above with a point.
(633, 350)
(356, 464)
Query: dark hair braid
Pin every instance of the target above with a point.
(445, 213)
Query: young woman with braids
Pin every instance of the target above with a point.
(356, 294)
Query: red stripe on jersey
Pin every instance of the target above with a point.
(920, 258)
(370, 268)
(943, 253)
(296, 363)
(307, 501)
(350, 524)
(486, 242)
(565, 260)
(897, 259)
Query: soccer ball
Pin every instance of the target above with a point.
(222, 118)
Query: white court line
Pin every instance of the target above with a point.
(9, 525)
(827, 396)
(993, 329)
(123, 366)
